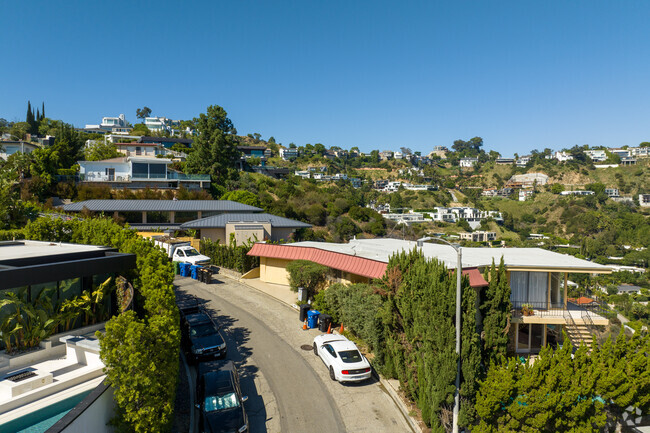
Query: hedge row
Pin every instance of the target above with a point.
(230, 256)
(139, 348)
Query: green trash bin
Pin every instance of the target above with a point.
(177, 268)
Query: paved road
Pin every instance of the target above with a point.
(288, 387)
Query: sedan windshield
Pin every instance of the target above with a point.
(191, 252)
(221, 402)
(202, 330)
(350, 356)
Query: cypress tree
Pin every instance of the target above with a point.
(42, 112)
(30, 114)
(496, 312)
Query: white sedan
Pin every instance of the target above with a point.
(342, 358)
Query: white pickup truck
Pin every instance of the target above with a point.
(180, 251)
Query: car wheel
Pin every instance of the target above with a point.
(332, 375)
(315, 350)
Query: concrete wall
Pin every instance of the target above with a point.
(274, 271)
(281, 233)
(95, 417)
(215, 235)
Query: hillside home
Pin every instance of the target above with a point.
(536, 280)
(167, 142)
(505, 161)
(527, 180)
(562, 156)
(597, 155)
(114, 125)
(385, 155)
(628, 161)
(151, 150)
(577, 192)
(305, 174)
(644, 200)
(468, 162)
(8, 148)
(478, 236)
(254, 151)
(440, 152)
(138, 172)
(522, 161)
(622, 153)
(526, 194)
(290, 153)
(612, 192)
(640, 152)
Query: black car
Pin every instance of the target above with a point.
(187, 305)
(202, 338)
(219, 399)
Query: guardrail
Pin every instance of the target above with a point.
(540, 309)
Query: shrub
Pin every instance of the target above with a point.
(306, 274)
(140, 350)
(230, 256)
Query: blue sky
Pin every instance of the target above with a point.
(373, 74)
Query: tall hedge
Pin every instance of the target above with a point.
(306, 274)
(229, 256)
(139, 348)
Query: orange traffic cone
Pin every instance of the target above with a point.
(329, 328)
(304, 325)
(341, 331)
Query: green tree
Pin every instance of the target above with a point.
(99, 150)
(140, 129)
(143, 112)
(309, 275)
(496, 312)
(242, 196)
(557, 188)
(215, 149)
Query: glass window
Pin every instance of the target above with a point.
(529, 288)
(140, 170)
(221, 402)
(69, 289)
(557, 291)
(536, 337)
(44, 289)
(157, 171)
(8, 309)
(523, 337)
(350, 356)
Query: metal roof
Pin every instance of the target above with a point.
(343, 262)
(220, 221)
(382, 249)
(160, 206)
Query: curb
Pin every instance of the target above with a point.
(398, 402)
(241, 281)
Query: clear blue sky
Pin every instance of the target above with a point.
(376, 74)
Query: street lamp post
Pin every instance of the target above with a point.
(459, 270)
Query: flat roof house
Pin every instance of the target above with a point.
(160, 213)
(245, 227)
(537, 279)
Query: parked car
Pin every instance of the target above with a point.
(187, 305)
(201, 338)
(342, 358)
(219, 398)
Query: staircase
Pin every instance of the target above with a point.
(579, 334)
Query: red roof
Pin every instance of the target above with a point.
(582, 300)
(343, 262)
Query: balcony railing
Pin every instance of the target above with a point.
(543, 309)
(98, 177)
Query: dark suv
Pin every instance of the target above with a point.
(201, 338)
(219, 398)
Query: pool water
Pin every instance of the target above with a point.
(42, 419)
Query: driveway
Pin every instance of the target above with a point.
(288, 387)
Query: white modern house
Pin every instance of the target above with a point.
(468, 162)
(151, 150)
(290, 153)
(597, 155)
(115, 125)
(161, 124)
(138, 172)
(644, 200)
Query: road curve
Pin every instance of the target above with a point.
(301, 402)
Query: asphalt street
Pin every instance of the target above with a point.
(288, 387)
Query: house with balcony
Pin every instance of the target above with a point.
(151, 150)
(8, 148)
(290, 153)
(114, 125)
(138, 172)
(541, 310)
(597, 155)
(468, 162)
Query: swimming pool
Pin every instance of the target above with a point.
(42, 419)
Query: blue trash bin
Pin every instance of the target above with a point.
(185, 269)
(195, 271)
(312, 319)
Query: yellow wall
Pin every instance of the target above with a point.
(274, 271)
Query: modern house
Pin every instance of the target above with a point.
(160, 213)
(644, 200)
(562, 156)
(8, 148)
(245, 227)
(138, 172)
(504, 161)
(151, 150)
(628, 289)
(114, 125)
(526, 194)
(478, 236)
(290, 153)
(597, 155)
(612, 192)
(527, 180)
(468, 162)
(254, 151)
(536, 279)
(580, 192)
(166, 141)
(522, 161)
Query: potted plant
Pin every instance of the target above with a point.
(527, 310)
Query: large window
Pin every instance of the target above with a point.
(69, 289)
(157, 171)
(44, 289)
(529, 288)
(140, 170)
(530, 337)
(557, 291)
